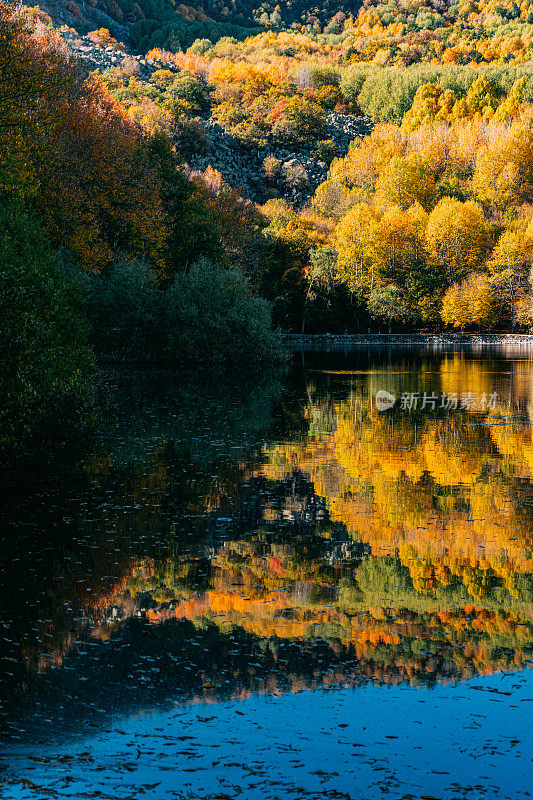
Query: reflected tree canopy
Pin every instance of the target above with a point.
(229, 541)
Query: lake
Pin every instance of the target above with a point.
(318, 585)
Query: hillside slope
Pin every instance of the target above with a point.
(166, 23)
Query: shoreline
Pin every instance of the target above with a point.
(333, 341)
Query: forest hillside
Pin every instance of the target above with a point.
(176, 182)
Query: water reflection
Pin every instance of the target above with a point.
(231, 542)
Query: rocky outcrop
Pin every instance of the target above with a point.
(300, 171)
(102, 58)
(344, 128)
(84, 14)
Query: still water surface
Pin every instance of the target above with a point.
(280, 591)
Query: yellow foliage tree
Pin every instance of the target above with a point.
(404, 181)
(430, 104)
(482, 98)
(396, 242)
(469, 303)
(361, 167)
(504, 167)
(458, 238)
(355, 267)
(511, 106)
(510, 266)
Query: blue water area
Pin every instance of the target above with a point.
(473, 739)
(279, 591)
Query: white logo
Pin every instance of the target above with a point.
(384, 400)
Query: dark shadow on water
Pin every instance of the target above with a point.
(227, 538)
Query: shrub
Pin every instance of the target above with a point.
(207, 316)
(125, 310)
(300, 121)
(200, 47)
(212, 316)
(324, 75)
(326, 150)
(295, 176)
(190, 136)
(163, 77)
(102, 38)
(152, 118)
(130, 67)
(272, 168)
(188, 95)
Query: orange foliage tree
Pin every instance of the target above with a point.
(67, 143)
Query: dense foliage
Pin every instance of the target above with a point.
(205, 311)
(431, 210)
(46, 365)
(425, 222)
(439, 198)
(104, 188)
(438, 210)
(396, 32)
(94, 206)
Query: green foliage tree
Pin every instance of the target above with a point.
(212, 315)
(46, 365)
(125, 310)
(187, 95)
(191, 229)
(320, 276)
(300, 121)
(386, 303)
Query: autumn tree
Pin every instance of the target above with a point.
(34, 73)
(510, 266)
(367, 158)
(482, 98)
(511, 107)
(75, 150)
(404, 181)
(458, 238)
(396, 246)
(470, 303)
(504, 167)
(110, 198)
(430, 104)
(356, 268)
